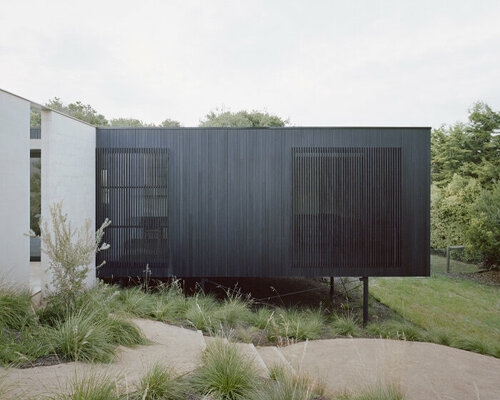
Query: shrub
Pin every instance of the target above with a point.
(225, 374)
(159, 384)
(70, 252)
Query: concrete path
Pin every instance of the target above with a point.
(173, 346)
(423, 370)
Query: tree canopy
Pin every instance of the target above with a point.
(470, 149)
(85, 112)
(242, 119)
(465, 192)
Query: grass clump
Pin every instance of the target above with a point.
(15, 308)
(90, 387)
(262, 317)
(235, 310)
(225, 374)
(295, 324)
(284, 385)
(136, 302)
(398, 330)
(201, 312)
(379, 391)
(123, 332)
(345, 326)
(159, 383)
(83, 337)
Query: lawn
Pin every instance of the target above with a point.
(468, 311)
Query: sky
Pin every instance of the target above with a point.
(318, 63)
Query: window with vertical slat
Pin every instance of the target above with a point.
(346, 207)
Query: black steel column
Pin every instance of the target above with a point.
(365, 299)
(332, 282)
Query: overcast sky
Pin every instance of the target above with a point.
(318, 63)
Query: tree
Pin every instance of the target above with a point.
(483, 233)
(170, 123)
(35, 118)
(451, 211)
(469, 149)
(78, 110)
(242, 119)
(129, 122)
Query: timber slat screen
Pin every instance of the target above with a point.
(263, 202)
(347, 207)
(133, 194)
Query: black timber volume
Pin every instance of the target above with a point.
(225, 202)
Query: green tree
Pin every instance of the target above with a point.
(129, 122)
(451, 211)
(242, 119)
(35, 194)
(78, 110)
(35, 118)
(483, 233)
(469, 149)
(170, 123)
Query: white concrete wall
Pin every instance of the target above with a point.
(14, 189)
(68, 173)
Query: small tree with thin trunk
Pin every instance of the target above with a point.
(71, 252)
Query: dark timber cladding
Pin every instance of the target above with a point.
(217, 202)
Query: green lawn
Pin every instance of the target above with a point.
(438, 266)
(464, 309)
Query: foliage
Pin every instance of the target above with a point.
(469, 149)
(345, 326)
(225, 374)
(242, 119)
(285, 385)
(90, 387)
(451, 211)
(391, 391)
(35, 195)
(129, 122)
(170, 123)
(296, 324)
(78, 110)
(86, 113)
(159, 383)
(397, 330)
(82, 337)
(70, 252)
(483, 231)
(15, 308)
(465, 174)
